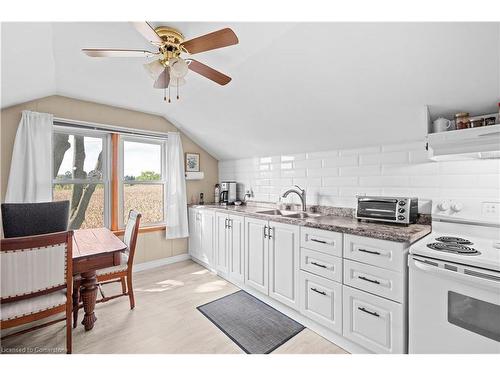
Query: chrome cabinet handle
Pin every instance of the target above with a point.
(369, 280)
(369, 251)
(230, 221)
(265, 234)
(318, 265)
(225, 223)
(269, 232)
(368, 311)
(318, 291)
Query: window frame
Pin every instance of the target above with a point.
(162, 142)
(106, 165)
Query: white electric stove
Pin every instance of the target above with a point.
(454, 281)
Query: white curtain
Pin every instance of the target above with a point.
(177, 221)
(30, 178)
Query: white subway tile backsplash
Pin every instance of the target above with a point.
(335, 177)
(313, 163)
(340, 181)
(340, 161)
(368, 170)
(320, 172)
(384, 158)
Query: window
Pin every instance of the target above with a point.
(142, 179)
(80, 175)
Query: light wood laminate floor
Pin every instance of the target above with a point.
(165, 320)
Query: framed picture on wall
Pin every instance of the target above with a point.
(192, 162)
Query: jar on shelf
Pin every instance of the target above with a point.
(462, 120)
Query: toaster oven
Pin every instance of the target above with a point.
(401, 210)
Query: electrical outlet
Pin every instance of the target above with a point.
(491, 209)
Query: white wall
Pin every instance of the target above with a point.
(333, 178)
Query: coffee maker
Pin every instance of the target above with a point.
(227, 192)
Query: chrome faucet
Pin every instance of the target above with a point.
(301, 193)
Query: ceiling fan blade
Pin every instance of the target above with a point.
(148, 32)
(110, 52)
(163, 80)
(209, 73)
(217, 39)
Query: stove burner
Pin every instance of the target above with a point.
(453, 248)
(457, 240)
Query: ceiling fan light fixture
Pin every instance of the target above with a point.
(154, 68)
(178, 67)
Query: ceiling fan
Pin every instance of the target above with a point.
(167, 67)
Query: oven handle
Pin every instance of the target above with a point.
(478, 277)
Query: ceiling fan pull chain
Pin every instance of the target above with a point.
(177, 88)
(169, 93)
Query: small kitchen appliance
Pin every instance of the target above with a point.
(454, 281)
(227, 192)
(401, 210)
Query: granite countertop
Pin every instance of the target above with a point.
(337, 223)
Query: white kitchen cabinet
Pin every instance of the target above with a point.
(373, 322)
(201, 235)
(221, 242)
(321, 300)
(236, 248)
(256, 255)
(207, 246)
(381, 253)
(194, 221)
(284, 261)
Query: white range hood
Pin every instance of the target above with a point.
(474, 143)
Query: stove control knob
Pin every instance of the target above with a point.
(401, 210)
(402, 203)
(457, 206)
(401, 217)
(443, 206)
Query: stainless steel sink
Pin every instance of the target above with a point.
(271, 212)
(289, 214)
(302, 215)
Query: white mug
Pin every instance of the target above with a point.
(441, 125)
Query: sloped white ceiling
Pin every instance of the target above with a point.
(296, 86)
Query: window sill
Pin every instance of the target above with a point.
(154, 228)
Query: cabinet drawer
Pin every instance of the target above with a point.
(373, 322)
(321, 264)
(321, 300)
(385, 283)
(385, 254)
(321, 240)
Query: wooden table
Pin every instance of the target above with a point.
(93, 249)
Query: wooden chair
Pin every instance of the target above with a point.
(36, 281)
(121, 273)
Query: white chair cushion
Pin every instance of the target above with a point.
(28, 306)
(121, 267)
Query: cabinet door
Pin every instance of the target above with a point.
(284, 263)
(256, 254)
(236, 241)
(207, 245)
(373, 322)
(194, 233)
(221, 245)
(321, 300)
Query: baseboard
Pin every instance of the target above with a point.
(160, 262)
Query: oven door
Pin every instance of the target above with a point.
(453, 308)
(382, 209)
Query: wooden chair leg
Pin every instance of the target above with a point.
(76, 302)
(130, 290)
(69, 331)
(124, 286)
